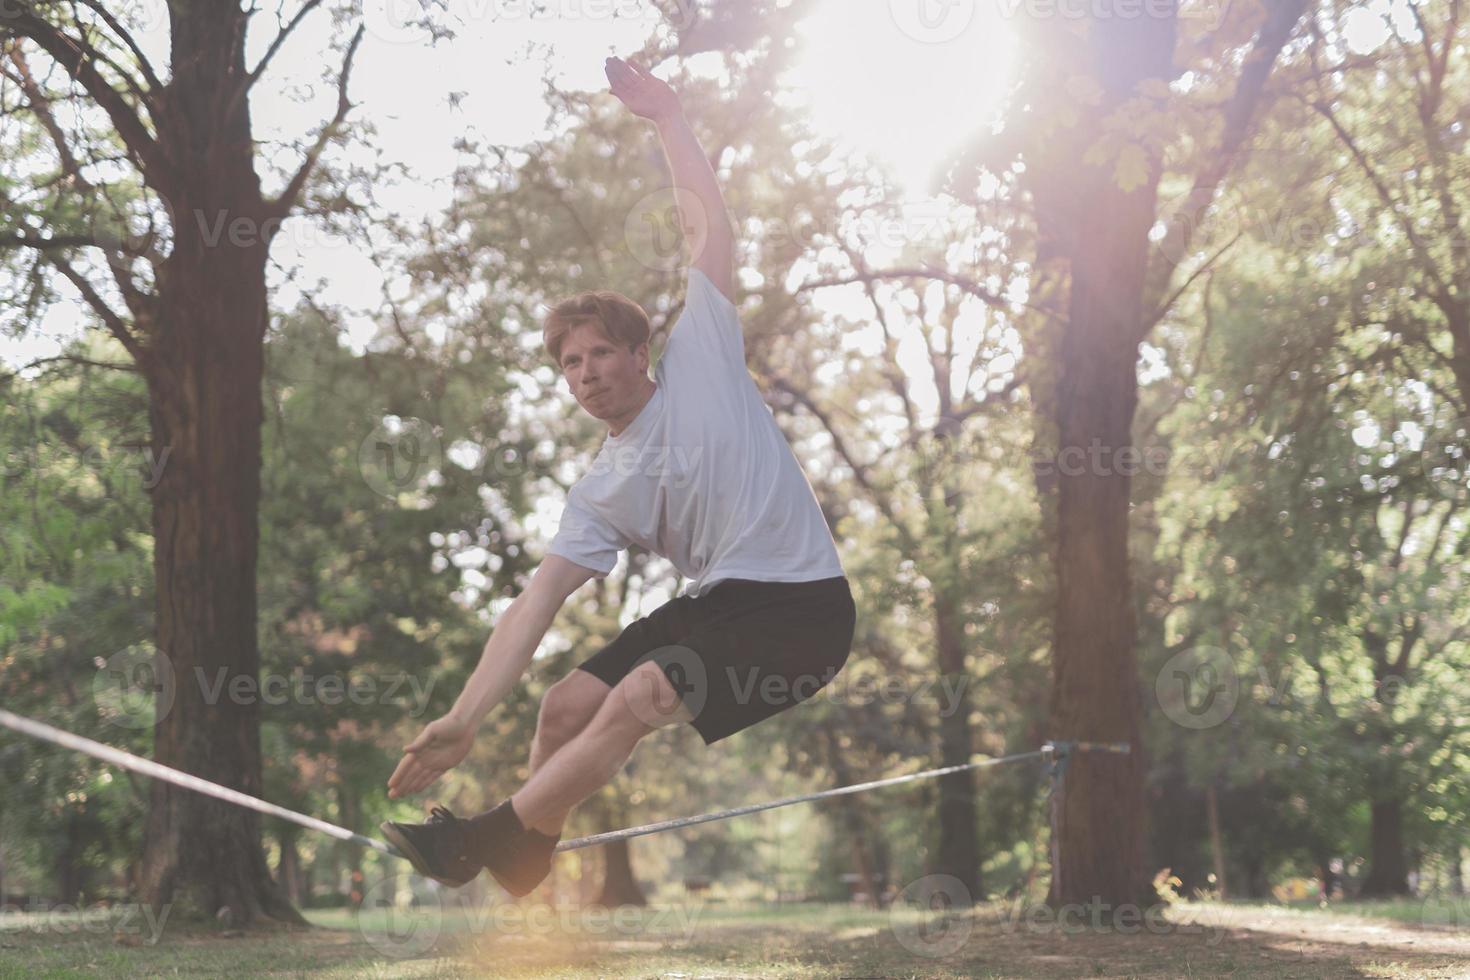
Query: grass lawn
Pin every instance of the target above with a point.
(690, 940)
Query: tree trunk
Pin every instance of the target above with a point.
(1388, 874)
(67, 862)
(854, 821)
(1100, 813)
(1217, 846)
(959, 840)
(204, 380)
(290, 875)
(619, 887)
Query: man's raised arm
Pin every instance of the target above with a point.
(653, 99)
(445, 742)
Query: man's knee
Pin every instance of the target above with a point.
(643, 702)
(569, 705)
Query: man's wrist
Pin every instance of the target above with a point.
(674, 117)
(466, 715)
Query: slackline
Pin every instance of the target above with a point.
(1053, 752)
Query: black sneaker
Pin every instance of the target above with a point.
(436, 848)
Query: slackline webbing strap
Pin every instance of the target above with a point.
(47, 733)
(654, 828)
(1054, 753)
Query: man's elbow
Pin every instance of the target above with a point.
(554, 580)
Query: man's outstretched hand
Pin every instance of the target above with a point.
(640, 91)
(440, 747)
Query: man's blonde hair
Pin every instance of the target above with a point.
(621, 320)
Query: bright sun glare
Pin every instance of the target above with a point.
(899, 94)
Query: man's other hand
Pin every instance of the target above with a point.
(640, 91)
(440, 747)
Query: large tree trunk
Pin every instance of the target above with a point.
(1099, 815)
(619, 887)
(205, 855)
(1388, 873)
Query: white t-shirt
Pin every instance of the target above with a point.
(703, 476)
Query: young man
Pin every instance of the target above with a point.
(694, 469)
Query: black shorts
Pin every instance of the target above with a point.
(741, 652)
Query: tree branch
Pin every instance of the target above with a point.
(154, 84)
(77, 58)
(926, 272)
(1421, 253)
(254, 75)
(859, 470)
(110, 319)
(282, 205)
(1281, 20)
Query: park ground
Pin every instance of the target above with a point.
(688, 940)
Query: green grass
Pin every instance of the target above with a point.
(1388, 939)
(1439, 911)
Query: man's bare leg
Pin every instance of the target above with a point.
(642, 703)
(566, 710)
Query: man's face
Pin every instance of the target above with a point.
(606, 378)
